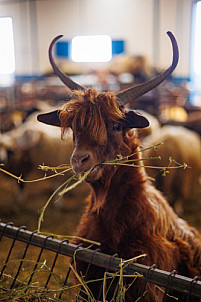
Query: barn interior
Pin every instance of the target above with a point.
(124, 44)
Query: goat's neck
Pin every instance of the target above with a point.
(118, 207)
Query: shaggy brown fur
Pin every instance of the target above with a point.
(126, 214)
(89, 112)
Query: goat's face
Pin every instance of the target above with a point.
(88, 153)
(100, 131)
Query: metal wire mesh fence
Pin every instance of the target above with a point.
(34, 265)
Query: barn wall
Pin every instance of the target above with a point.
(142, 23)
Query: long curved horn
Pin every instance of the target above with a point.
(63, 77)
(132, 93)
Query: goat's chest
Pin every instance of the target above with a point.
(117, 231)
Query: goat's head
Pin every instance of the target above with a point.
(101, 126)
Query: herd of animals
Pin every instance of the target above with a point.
(125, 213)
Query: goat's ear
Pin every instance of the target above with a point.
(134, 119)
(50, 118)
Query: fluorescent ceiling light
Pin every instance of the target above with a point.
(7, 55)
(96, 48)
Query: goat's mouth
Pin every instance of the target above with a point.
(90, 174)
(94, 174)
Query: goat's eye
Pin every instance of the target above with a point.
(116, 127)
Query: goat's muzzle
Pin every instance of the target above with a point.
(84, 161)
(80, 161)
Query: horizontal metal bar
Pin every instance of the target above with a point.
(156, 276)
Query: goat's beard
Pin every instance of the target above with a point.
(100, 183)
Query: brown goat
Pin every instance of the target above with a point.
(126, 214)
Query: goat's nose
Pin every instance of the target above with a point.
(78, 160)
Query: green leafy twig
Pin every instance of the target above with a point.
(20, 179)
(79, 181)
(67, 186)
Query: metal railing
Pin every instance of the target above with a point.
(168, 280)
